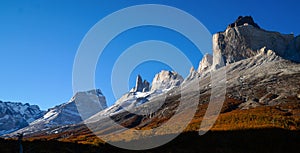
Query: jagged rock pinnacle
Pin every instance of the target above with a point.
(140, 85)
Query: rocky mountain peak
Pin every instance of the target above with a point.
(204, 67)
(95, 93)
(243, 39)
(81, 106)
(92, 100)
(140, 85)
(243, 20)
(206, 63)
(166, 80)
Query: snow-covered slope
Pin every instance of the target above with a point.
(162, 83)
(67, 113)
(14, 116)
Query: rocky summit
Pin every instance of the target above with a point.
(243, 41)
(166, 80)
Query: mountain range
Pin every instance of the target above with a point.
(14, 116)
(262, 90)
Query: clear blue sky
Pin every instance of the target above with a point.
(39, 40)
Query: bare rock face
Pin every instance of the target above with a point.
(205, 64)
(140, 85)
(166, 80)
(244, 39)
(218, 60)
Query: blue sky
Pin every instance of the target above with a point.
(39, 40)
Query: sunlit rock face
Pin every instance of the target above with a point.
(244, 38)
(166, 80)
(205, 64)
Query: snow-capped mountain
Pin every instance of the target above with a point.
(14, 116)
(68, 113)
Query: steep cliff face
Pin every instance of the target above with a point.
(245, 40)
